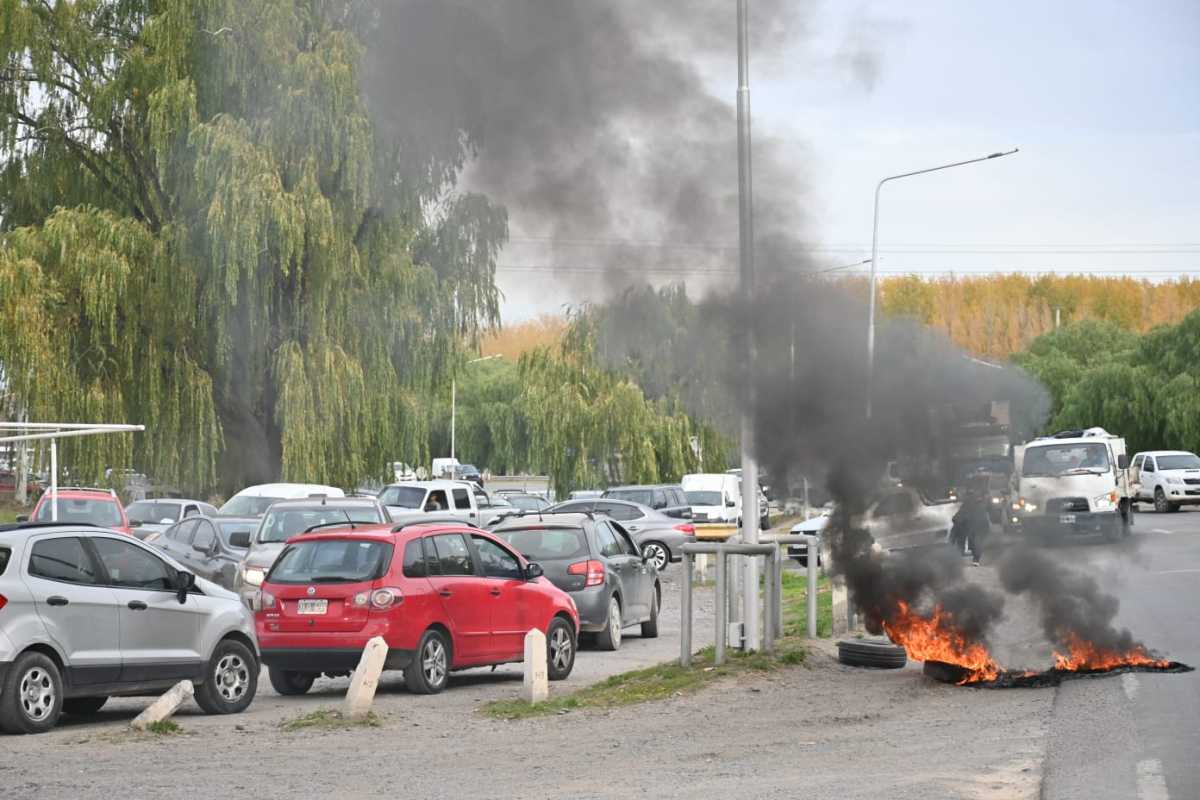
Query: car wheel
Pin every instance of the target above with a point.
(560, 649)
(430, 671)
(650, 626)
(658, 553)
(83, 706)
(871, 653)
(32, 696)
(1160, 501)
(231, 681)
(610, 637)
(289, 683)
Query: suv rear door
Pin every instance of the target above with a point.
(80, 613)
(160, 637)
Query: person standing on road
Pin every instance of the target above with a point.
(971, 523)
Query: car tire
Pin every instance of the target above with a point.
(1160, 501)
(290, 684)
(650, 626)
(875, 653)
(610, 637)
(32, 695)
(430, 670)
(230, 680)
(658, 553)
(83, 706)
(560, 649)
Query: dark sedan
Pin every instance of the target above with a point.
(657, 534)
(211, 547)
(597, 562)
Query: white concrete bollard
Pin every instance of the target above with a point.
(365, 680)
(164, 706)
(841, 606)
(537, 683)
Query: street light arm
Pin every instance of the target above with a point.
(945, 166)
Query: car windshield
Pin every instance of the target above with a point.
(146, 511)
(546, 544)
(281, 524)
(403, 496)
(247, 506)
(331, 561)
(703, 498)
(643, 496)
(1186, 461)
(97, 512)
(1065, 459)
(526, 502)
(230, 528)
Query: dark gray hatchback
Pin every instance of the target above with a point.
(598, 564)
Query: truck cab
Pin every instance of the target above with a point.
(463, 500)
(1074, 483)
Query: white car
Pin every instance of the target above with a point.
(897, 519)
(1166, 478)
(253, 501)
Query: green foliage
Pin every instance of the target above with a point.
(204, 230)
(1144, 388)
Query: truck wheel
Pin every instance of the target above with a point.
(1160, 501)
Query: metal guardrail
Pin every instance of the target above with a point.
(773, 594)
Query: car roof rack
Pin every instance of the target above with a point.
(21, 526)
(412, 523)
(108, 491)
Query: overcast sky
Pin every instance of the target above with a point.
(1102, 97)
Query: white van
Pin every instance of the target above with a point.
(714, 497)
(253, 501)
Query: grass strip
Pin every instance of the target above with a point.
(326, 719)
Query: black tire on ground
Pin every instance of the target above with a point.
(650, 626)
(871, 653)
(610, 637)
(289, 683)
(1160, 501)
(32, 695)
(230, 679)
(83, 706)
(560, 649)
(946, 673)
(430, 671)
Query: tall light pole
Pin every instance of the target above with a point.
(875, 255)
(454, 398)
(750, 616)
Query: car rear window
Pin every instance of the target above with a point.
(146, 511)
(282, 524)
(332, 561)
(643, 496)
(403, 496)
(704, 498)
(546, 544)
(4, 555)
(247, 506)
(103, 512)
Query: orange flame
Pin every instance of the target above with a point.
(1083, 655)
(936, 638)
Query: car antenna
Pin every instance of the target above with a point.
(348, 520)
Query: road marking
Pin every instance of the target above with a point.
(1177, 572)
(1160, 530)
(1129, 683)
(1151, 785)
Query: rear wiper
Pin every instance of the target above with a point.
(330, 579)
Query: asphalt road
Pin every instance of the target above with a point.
(1137, 736)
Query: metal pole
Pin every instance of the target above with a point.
(719, 644)
(453, 411)
(779, 561)
(811, 599)
(771, 598)
(875, 256)
(750, 572)
(685, 613)
(53, 481)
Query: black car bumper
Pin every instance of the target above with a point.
(328, 660)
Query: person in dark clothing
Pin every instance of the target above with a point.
(971, 523)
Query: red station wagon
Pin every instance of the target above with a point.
(444, 596)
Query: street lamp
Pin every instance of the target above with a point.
(454, 398)
(875, 255)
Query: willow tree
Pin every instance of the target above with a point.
(204, 229)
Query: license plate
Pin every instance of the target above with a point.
(1066, 519)
(312, 606)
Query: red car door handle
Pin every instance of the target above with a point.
(444, 592)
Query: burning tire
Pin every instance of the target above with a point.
(871, 653)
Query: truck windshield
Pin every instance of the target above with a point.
(403, 496)
(1065, 459)
(703, 498)
(643, 496)
(1188, 461)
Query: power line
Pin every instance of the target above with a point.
(1098, 271)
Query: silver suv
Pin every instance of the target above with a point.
(87, 613)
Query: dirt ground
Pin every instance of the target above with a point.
(821, 729)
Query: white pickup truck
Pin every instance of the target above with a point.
(899, 518)
(459, 499)
(1167, 478)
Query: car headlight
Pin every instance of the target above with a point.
(1175, 481)
(253, 575)
(996, 501)
(1024, 505)
(1105, 502)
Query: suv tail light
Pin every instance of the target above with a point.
(3, 601)
(266, 600)
(593, 570)
(686, 528)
